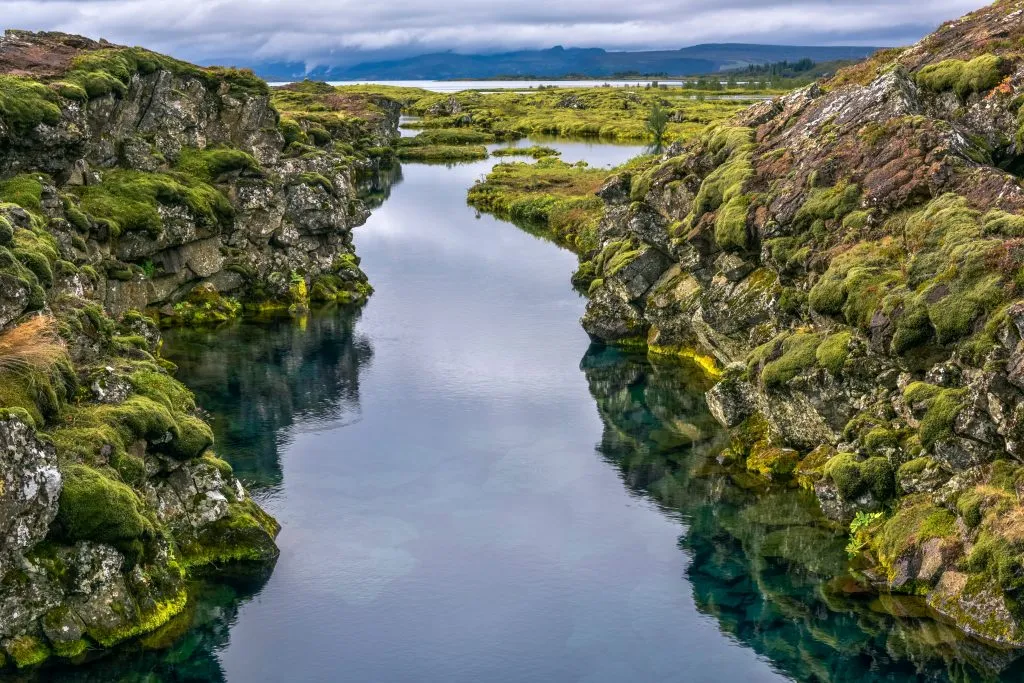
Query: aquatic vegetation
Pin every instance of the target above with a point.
(550, 194)
(535, 151)
(442, 152)
(448, 136)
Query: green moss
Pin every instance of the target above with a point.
(108, 71)
(213, 162)
(799, 352)
(1004, 224)
(968, 506)
(726, 182)
(333, 288)
(143, 621)
(953, 316)
(94, 507)
(158, 412)
(40, 391)
(69, 649)
(550, 198)
(833, 351)
(221, 466)
(792, 301)
(195, 436)
(917, 521)
(25, 103)
(999, 557)
(772, 462)
(879, 440)
(130, 200)
(318, 180)
(245, 535)
(202, 307)
(833, 203)
(913, 328)
(828, 296)
(962, 77)
(26, 651)
(941, 409)
(25, 190)
(291, 131)
(853, 477)
(915, 467)
(731, 224)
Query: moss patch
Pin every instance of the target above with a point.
(962, 77)
(131, 200)
(94, 507)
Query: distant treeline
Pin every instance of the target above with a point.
(782, 69)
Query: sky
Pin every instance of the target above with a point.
(347, 31)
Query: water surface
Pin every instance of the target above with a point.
(470, 492)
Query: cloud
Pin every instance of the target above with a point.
(316, 31)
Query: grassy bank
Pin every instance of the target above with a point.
(608, 113)
(549, 197)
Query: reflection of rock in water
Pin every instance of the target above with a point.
(765, 563)
(183, 650)
(259, 379)
(375, 188)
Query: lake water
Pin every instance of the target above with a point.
(457, 86)
(470, 492)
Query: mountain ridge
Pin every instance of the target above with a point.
(558, 62)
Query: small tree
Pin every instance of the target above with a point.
(657, 123)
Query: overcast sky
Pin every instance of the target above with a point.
(314, 31)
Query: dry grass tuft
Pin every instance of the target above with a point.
(31, 346)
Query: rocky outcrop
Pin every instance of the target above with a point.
(136, 189)
(851, 255)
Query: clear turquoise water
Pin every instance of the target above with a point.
(470, 492)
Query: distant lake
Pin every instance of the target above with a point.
(458, 86)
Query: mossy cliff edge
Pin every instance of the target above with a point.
(137, 190)
(851, 255)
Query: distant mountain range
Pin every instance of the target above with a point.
(559, 62)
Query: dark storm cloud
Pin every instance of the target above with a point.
(314, 30)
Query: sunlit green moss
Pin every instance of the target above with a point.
(731, 224)
(962, 77)
(25, 103)
(798, 353)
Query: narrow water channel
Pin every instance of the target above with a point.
(469, 492)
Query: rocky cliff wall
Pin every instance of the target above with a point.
(850, 258)
(135, 189)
